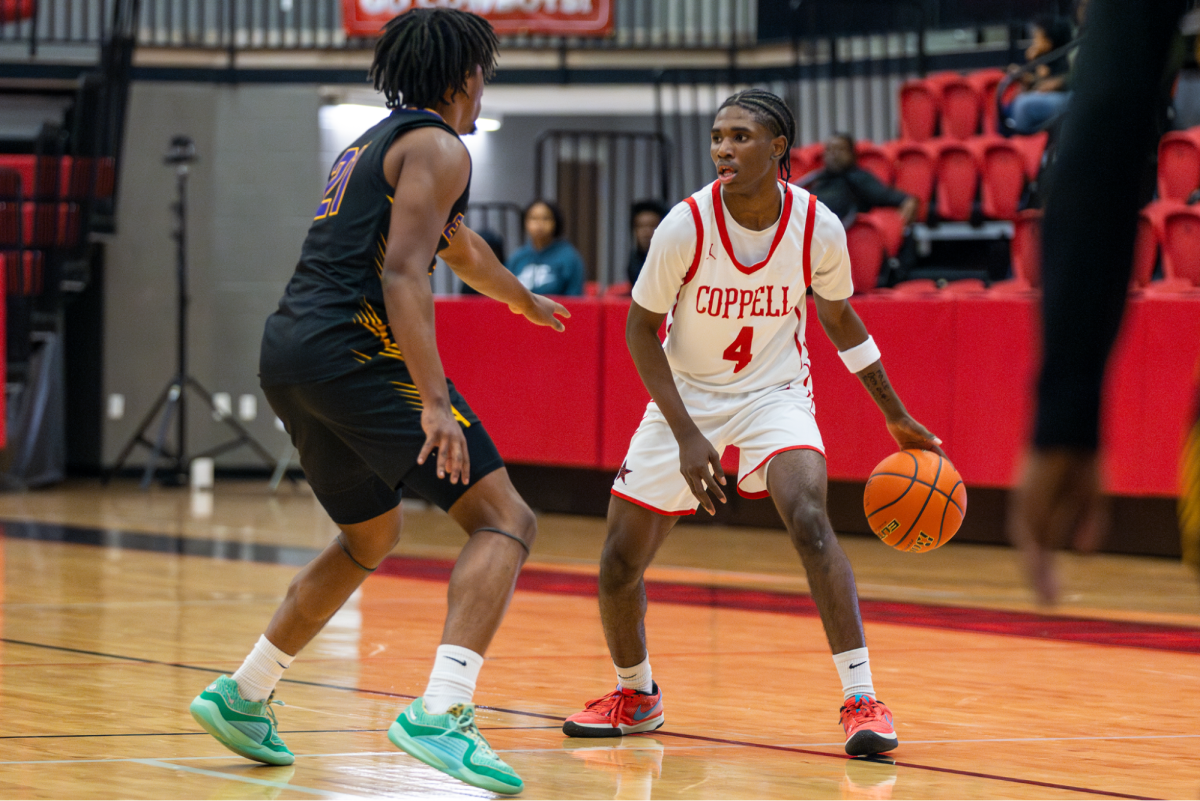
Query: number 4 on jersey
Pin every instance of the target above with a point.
(738, 351)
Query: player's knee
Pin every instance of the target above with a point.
(619, 565)
(809, 527)
(369, 548)
(517, 521)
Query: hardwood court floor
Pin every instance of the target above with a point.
(119, 606)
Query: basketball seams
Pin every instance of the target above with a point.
(911, 480)
(949, 495)
(932, 488)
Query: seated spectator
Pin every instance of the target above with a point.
(848, 189)
(1046, 88)
(645, 217)
(546, 264)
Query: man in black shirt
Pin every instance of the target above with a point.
(848, 189)
(350, 365)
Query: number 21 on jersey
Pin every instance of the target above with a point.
(339, 176)
(738, 351)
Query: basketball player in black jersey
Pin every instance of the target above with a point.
(350, 365)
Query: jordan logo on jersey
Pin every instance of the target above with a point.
(737, 304)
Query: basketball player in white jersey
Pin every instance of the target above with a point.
(728, 270)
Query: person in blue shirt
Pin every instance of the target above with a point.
(547, 264)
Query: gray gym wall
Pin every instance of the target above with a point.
(250, 200)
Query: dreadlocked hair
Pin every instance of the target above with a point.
(771, 112)
(425, 56)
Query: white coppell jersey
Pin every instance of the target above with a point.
(736, 316)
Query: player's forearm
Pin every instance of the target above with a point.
(409, 302)
(874, 378)
(475, 263)
(655, 371)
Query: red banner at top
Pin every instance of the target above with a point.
(508, 17)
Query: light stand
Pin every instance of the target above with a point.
(172, 401)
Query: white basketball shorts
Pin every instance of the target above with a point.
(766, 425)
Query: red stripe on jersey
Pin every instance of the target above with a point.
(783, 221)
(691, 273)
(810, 218)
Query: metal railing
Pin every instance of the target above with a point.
(317, 24)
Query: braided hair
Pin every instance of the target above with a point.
(771, 112)
(425, 56)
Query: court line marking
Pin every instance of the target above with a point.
(710, 742)
(543, 716)
(913, 765)
(156, 763)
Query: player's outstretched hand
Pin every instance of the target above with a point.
(444, 434)
(701, 467)
(908, 433)
(1057, 502)
(541, 310)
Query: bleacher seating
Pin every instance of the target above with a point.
(874, 237)
(960, 172)
(1178, 165)
(957, 179)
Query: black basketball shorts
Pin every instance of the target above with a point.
(359, 436)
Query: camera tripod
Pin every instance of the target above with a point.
(172, 401)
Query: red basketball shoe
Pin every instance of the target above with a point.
(623, 711)
(868, 726)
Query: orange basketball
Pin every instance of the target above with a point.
(915, 500)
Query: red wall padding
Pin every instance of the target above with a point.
(964, 365)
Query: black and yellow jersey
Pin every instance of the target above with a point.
(332, 319)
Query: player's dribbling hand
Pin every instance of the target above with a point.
(542, 310)
(700, 465)
(444, 434)
(908, 433)
(1057, 502)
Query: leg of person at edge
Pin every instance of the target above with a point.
(1109, 131)
(731, 266)
(350, 364)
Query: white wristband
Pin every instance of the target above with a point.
(861, 356)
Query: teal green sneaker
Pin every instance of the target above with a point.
(244, 727)
(452, 744)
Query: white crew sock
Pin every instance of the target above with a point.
(637, 677)
(261, 671)
(455, 671)
(854, 669)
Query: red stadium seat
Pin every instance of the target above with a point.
(24, 165)
(1002, 176)
(1150, 232)
(875, 160)
(10, 204)
(1033, 147)
(24, 272)
(965, 286)
(1178, 165)
(915, 168)
(986, 83)
(1026, 254)
(620, 290)
(957, 179)
(1181, 244)
(806, 159)
(918, 110)
(960, 104)
(874, 237)
(915, 286)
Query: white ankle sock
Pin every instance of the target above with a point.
(637, 677)
(854, 668)
(261, 671)
(455, 671)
